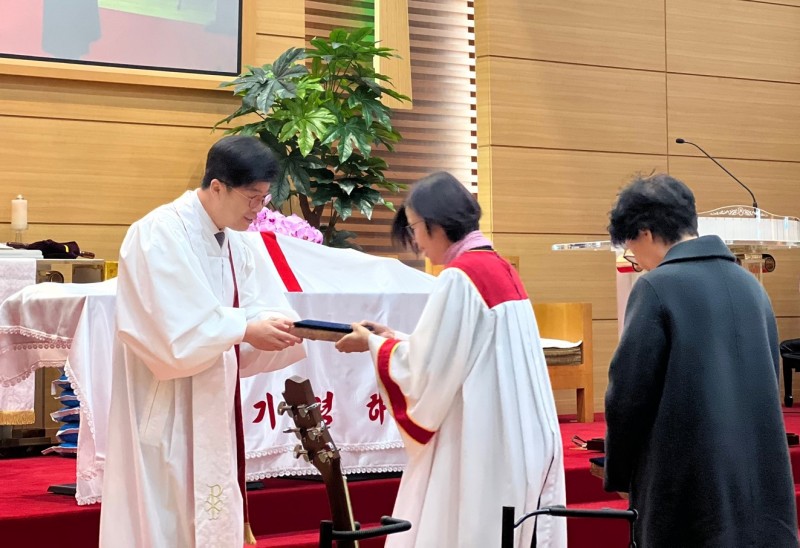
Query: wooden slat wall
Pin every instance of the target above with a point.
(576, 97)
(92, 157)
(439, 131)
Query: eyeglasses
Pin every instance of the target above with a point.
(631, 258)
(255, 201)
(410, 229)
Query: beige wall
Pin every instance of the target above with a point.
(92, 157)
(575, 97)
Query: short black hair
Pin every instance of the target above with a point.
(659, 203)
(439, 199)
(239, 160)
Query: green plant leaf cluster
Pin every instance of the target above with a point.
(319, 109)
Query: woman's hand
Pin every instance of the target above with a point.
(357, 341)
(379, 329)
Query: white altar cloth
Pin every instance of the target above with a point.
(72, 325)
(16, 402)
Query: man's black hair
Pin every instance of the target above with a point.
(239, 160)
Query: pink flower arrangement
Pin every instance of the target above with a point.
(269, 220)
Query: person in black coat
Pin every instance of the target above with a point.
(695, 431)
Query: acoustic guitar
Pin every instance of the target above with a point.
(316, 446)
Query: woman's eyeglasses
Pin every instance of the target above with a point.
(410, 229)
(631, 258)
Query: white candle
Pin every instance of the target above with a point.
(19, 213)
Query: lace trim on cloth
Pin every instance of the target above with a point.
(361, 447)
(35, 340)
(86, 411)
(313, 471)
(86, 501)
(32, 367)
(8, 418)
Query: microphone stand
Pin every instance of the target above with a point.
(560, 511)
(710, 157)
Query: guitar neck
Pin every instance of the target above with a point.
(339, 500)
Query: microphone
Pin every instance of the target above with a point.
(682, 141)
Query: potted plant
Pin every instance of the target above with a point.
(319, 109)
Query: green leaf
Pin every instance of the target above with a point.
(308, 126)
(285, 66)
(352, 134)
(359, 34)
(341, 239)
(281, 187)
(371, 107)
(338, 35)
(347, 185)
(325, 194)
(296, 171)
(344, 207)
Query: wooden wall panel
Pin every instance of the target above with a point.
(734, 38)
(393, 31)
(26, 97)
(562, 276)
(735, 118)
(286, 18)
(783, 285)
(537, 190)
(564, 119)
(552, 105)
(86, 172)
(612, 33)
(776, 185)
(268, 48)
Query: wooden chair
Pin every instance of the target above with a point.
(570, 322)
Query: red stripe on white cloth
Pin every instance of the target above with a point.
(280, 262)
(396, 397)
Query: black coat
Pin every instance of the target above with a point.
(695, 430)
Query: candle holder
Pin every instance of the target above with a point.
(18, 236)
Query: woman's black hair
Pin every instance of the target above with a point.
(658, 203)
(438, 199)
(239, 160)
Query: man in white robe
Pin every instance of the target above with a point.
(469, 388)
(188, 292)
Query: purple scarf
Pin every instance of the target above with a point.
(470, 241)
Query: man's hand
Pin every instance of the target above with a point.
(271, 334)
(357, 341)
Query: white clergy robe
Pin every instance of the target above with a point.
(470, 393)
(170, 476)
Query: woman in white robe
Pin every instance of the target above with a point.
(171, 465)
(468, 388)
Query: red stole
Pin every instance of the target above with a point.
(241, 464)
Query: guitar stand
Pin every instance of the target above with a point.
(389, 526)
(560, 511)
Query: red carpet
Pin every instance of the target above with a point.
(286, 513)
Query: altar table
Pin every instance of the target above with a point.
(72, 326)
